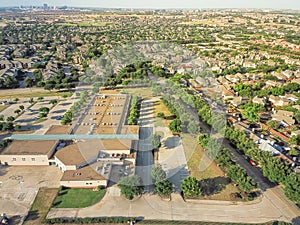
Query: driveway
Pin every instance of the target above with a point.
(144, 158)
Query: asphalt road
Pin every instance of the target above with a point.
(144, 158)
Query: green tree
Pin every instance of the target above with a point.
(131, 186)
(175, 126)
(191, 187)
(295, 140)
(158, 174)
(10, 119)
(251, 111)
(164, 188)
(53, 101)
(273, 124)
(21, 107)
(156, 141)
(17, 111)
(28, 82)
(161, 115)
(291, 188)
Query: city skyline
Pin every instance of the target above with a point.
(279, 4)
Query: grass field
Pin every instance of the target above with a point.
(159, 106)
(78, 198)
(35, 94)
(218, 187)
(41, 206)
(2, 107)
(141, 92)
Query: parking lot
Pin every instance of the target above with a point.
(19, 186)
(30, 115)
(10, 111)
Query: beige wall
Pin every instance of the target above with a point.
(116, 151)
(62, 166)
(89, 183)
(24, 160)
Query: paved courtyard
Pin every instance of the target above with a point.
(19, 186)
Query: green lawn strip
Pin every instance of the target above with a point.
(2, 107)
(36, 94)
(78, 198)
(173, 222)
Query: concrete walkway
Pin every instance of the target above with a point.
(153, 207)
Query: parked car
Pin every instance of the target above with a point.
(252, 163)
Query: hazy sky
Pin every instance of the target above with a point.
(284, 4)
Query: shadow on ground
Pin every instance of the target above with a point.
(211, 186)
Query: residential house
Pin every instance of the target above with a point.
(297, 81)
(291, 97)
(284, 117)
(259, 100)
(288, 73)
(273, 83)
(237, 101)
(266, 145)
(277, 101)
(223, 80)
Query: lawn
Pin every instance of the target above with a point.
(159, 106)
(41, 206)
(78, 198)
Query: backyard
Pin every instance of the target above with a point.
(77, 197)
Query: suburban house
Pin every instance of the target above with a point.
(284, 117)
(266, 145)
(259, 100)
(277, 101)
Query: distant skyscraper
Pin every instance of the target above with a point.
(45, 6)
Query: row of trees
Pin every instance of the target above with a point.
(222, 156)
(134, 111)
(67, 118)
(274, 169)
(185, 120)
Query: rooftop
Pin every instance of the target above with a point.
(59, 129)
(30, 147)
(70, 155)
(83, 174)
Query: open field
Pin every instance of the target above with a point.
(78, 198)
(141, 92)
